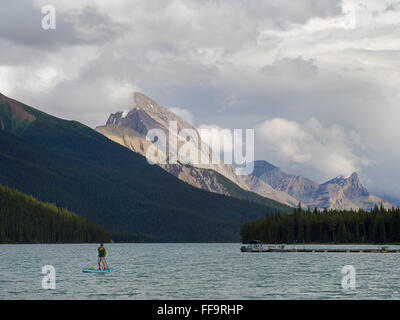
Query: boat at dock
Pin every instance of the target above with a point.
(257, 246)
(252, 246)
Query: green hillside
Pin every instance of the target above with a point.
(24, 219)
(67, 163)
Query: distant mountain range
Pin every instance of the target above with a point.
(338, 193)
(129, 128)
(73, 166)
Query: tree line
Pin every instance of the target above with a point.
(24, 219)
(378, 225)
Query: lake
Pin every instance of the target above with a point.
(195, 271)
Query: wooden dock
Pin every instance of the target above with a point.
(309, 250)
(328, 250)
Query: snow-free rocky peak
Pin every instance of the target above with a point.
(338, 193)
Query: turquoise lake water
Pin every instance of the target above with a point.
(194, 271)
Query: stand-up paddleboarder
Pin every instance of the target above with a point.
(102, 256)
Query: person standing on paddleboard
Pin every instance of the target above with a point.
(102, 256)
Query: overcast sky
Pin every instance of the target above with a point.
(317, 79)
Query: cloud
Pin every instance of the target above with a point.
(393, 7)
(222, 137)
(232, 101)
(297, 67)
(20, 23)
(327, 151)
(184, 114)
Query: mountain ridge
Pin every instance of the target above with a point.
(337, 193)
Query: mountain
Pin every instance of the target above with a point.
(129, 128)
(357, 193)
(301, 188)
(75, 167)
(24, 219)
(148, 114)
(338, 193)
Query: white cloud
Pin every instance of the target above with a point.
(183, 113)
(297, 67)
(222, 136)
(328, 151)
(232, 101)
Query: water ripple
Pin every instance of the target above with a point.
(194, 271)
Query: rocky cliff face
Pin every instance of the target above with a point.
(354, 191)
(299, 187)
(338, 193)
(129, 128)
(264, 189)
(198, 177)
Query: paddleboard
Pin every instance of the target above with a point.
(93, 270)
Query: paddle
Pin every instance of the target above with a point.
(106, 263)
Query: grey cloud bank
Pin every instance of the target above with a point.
(233, 64)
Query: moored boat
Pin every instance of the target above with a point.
(252, 246)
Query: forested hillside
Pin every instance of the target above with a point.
(379, 225)
(24, 219)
